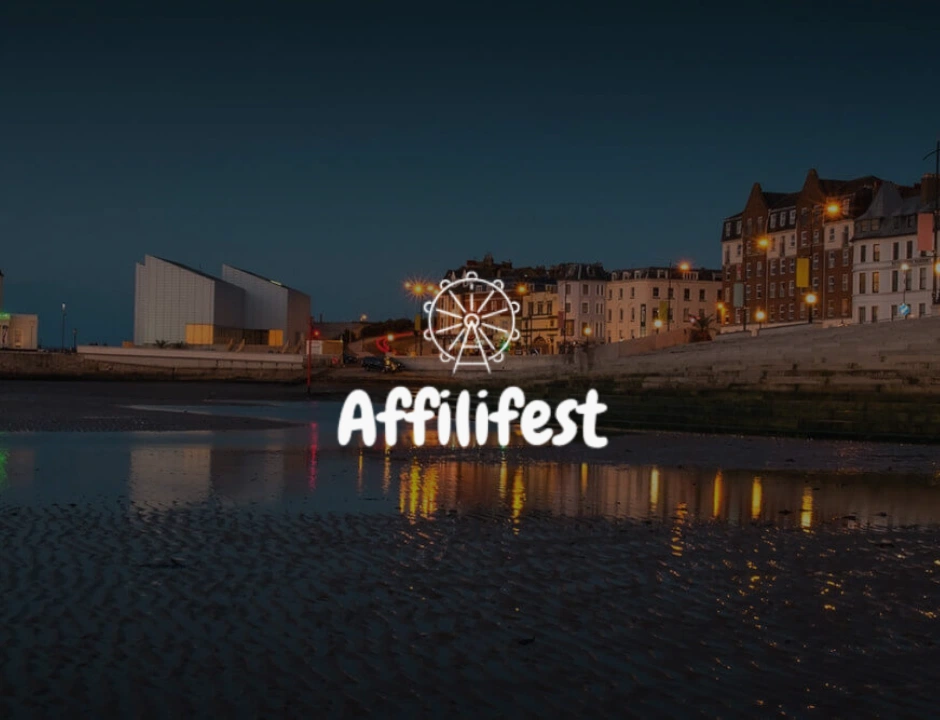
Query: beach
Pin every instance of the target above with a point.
(238, 567)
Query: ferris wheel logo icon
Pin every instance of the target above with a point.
(472, 321)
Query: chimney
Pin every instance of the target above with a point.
(928, 188)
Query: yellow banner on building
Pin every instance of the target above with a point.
(802, 272)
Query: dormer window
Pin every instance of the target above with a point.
(773, 222)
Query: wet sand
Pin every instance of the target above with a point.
(203, 612)
(112, 608)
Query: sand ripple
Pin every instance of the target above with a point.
(205, 612)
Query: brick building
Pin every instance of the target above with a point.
(762, 247)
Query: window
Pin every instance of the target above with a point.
(747, 292)
(845, 282)
(861, 284)
(567, 288)
(792, 287)
(921, 310)
(862, 253)
(585, 290)
(804, 238)
(792, 265)
(816, 237)
(830, 308)
(864, 226)
(610, 315)
(599, 290)
(687, 294)
(773, 267)
(655, 292)
(875, 252)
(701, 295)
(783, 289)
(632, 313)
(894, 281)
(760, 268)
(831, 282)
(845, 234)
(599, 309)
(531, 308)
(910, 249)
(907, 280)
(567, 307)
(727, 256)
(875, 282)
(816, 282)
(750, 225)
(584, 308)
(832, 260)
(845, 256)
(874, 313)
(749, 271)
(923, 278)
(773, 290)
(792, 216)
(620, 294)
(548, 307)
(832, 234)
(793, 241)
(861, 315)
(685, 314)
(815, 262)
(672, 293)
(759, 292)
(632, 293)
(738, 227)
(896, 251)
(610, 294)
(621, 314)
(773, 222)
(727, 229)
(846, 307)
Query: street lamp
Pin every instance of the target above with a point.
(764, 244)
(721, 313)
(522, 290)
(657, 323)
(759, 316)
(683, 267)
(416, 290)
(906, 269)
(587, 334)
(810, 302)
(62, 344)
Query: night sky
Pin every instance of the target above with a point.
(340, 147)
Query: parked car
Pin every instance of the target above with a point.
(382, 364)
(373, 363)
(350, 359)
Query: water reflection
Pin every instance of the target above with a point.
(293, 469)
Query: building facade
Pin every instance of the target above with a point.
(275, 314)
(788, 254)
(637, 298)
(582, 297)
(174, 303)
(891, 269)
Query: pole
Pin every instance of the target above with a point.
(62, 343)
(936, 215)
(669, 300)
(309, 359)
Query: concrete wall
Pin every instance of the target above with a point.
(298, 316)
(190, 358)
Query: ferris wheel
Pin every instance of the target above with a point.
(471, 321)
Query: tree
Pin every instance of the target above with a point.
(702, 328)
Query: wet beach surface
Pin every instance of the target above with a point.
(200, 571)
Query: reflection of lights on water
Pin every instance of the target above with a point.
(387, 472)
(717, 495)
(503, 479)
(359, 473)
(518, 497)
(756, 497)
(584, 478)
(654, 490)
(806, 509)
(4, 457)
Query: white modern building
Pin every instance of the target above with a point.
(890, 270)
(17, 332)
(271, 307)
(174, 303)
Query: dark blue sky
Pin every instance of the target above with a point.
(341, 146)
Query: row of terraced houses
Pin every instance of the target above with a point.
(836, 251)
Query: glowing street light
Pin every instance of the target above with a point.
(810, 302)
(760, 315)
(833, 209)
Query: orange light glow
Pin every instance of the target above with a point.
(521, 289)
(833, 209)
(811, 299)
(391, 337)
(587, 330)
(764, 243)
(760, 315)
(684, 267)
